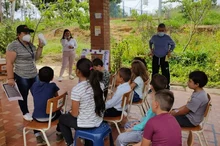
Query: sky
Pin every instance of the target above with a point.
(150, 8)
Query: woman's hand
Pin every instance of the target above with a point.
(40, 44)
(11, 82)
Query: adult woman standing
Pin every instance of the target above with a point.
(69, 45)
(20, 57)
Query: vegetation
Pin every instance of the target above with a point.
(202, 52)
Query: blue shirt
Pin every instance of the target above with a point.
(161, 45)
(41, 92)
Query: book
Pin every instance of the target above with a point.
(12, 92)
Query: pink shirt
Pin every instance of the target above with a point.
(163, 130)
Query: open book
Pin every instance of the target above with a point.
(12, 92)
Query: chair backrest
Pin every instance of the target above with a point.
(113, 81)
(207, 111)
(56, 103)
(145, 88)
(126, 99)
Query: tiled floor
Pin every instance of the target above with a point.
(13, 121)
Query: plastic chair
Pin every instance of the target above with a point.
(143, 102)
(53, 105)
(125, 102)
(199, 130)
(96, 135)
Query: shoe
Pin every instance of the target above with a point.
(71, 77)
(40, 141)
(60, 79)
(28, 117)
(59, 137)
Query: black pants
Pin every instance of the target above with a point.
(160, 62)
(66, 122)
(184, 121)
(112, 112)
(58, 113)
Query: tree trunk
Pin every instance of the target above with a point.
(1, 11)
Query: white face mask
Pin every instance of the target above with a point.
(26, 38)
(161, 34)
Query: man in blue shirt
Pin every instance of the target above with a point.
(161, 46)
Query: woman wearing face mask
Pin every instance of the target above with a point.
(161, 46)
(20, 57)
(69, 45)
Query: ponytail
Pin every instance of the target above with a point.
(94, 80)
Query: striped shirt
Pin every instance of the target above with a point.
(87, 117)
(24, 65)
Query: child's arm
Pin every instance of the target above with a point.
(75, 108)
(133, 85)
(140, 126)
(180, 111)
(145, 142)
(113, 101)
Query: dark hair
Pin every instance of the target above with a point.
(161, 25)
(125, 73)
(142, 60)
(165, 98)
(159, 82)
(138, 69)
(199, 77)
(46, 74)
(66, 30)
(97, 62)
(85, 66)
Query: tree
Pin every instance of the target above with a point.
(195, 11)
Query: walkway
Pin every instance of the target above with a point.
(13, 121)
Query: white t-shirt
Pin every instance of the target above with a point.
(87, 117)
(139, 86)
(65, 43)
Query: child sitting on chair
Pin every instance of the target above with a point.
(113, 105)
(42, 91)
(98, 65)
(191, 114)
(134, 129)
(138, 77)
(163, 129)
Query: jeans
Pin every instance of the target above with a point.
(125, 138)
(160, 62)
(24, 86)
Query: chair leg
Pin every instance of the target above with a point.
(24, 136)
(119, 132)
(140, 107)
(199, 136)
(111, 142)
(45, 137)
(206, 142)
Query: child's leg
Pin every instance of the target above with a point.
(112, 112)
(136, 97)
(184, 121)
(129, 137)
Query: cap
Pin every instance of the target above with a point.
(23, 28)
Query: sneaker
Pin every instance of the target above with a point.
(28, 117)
(40, 141)
(59, 137)
(60, 79)
(71, 77)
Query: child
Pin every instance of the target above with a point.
(113, 106)
(191, 114)
(134, 129)
(138, 77)
(163, 129)
(161, 45)
(87, 102)
(142, 60)
(41, 92)
(98, 65)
